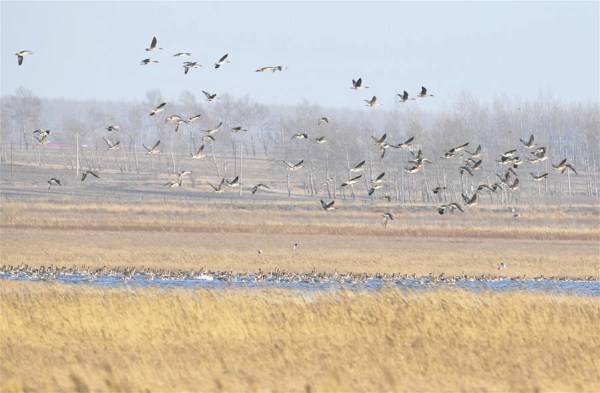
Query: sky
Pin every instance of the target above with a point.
(92, 50)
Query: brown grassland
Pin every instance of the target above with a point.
(549, 242)
(78, 338)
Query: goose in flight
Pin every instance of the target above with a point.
(469, 201)
(209, 96)
(406, 144)
(299, 136)
(293, 167)
(492, 188)
(218, 189)
(379, 141)
(113, 127)
(415, 168)
(451, 206)
(266, 69)
(233, 183)
(514, 186)
(43, 139)
(222, 61)
(351, 181)
(372, 102)
(508, 153)
(42, 133)
(563, 166)
(423, 93)
(199, 153)
(53, 180)
(158, 109)
(379, 178)
(112, 146)
(148, 61)
(323, 119)
(452, 152)
(207, 138)
(214, 130)
(187, 65)
(327, 206)
(238, 129)
(193, 118)
(320, 140)
(88, 172)
(438, 189)
(153, 46)
(539, 155)
(358, 167)
(153, 149)
(182, 54)
(540, 177)
(174, 184)
(467, 169)
(528, 144)
(357, 84)
(477, 153)
(386, 217)
(256, 187)
(21, 54)
(404, 97)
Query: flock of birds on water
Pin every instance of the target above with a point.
(470, 161)
(144, 275)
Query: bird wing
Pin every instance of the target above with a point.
(222, 59)
(153, 43)
(156, 145)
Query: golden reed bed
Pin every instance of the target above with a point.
(76, 338)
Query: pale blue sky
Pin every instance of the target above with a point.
(93, 49)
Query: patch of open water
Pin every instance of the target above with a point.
(309, 283)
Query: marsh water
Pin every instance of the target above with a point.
(311, 282)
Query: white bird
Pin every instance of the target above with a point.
(21, 54)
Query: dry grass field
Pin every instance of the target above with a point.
(76, 338)
(549, 242)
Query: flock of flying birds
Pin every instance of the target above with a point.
(470, 164)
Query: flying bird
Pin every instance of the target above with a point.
(53, 180)
(256, 187)
(153, 46)
(147, 61)
(372, 102)
(358, 167)
(327, 206)
(88, 172)
(423, 93)
(357, 84)
(222, 61)
(528, 144)
(238, 129)
(323, 119)
(451, 206)
(214, 130)
(113, 127)
(299, 136)
(188, 65)
(209, 96)
(153, 149)
(199, 153)
(386, 217)
(218, 189)
(469, 201)
(351, 181)
(294, 167)
(158, 109)
(182, 54)
(111, 145)
(404, 97)
(406, 144)
(21, 54)
(320, 140)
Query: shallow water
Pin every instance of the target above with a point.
(207, 281)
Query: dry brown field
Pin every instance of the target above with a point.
(80, 339)
(551, 242)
